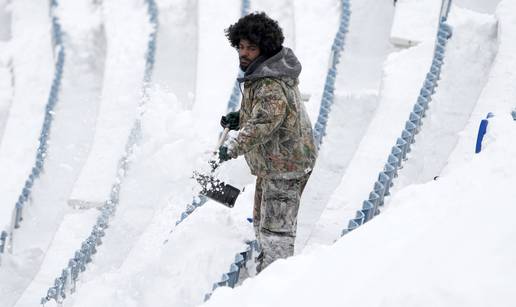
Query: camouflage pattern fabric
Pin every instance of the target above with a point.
(276, 134)
(276, 205)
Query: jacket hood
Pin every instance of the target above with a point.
(282, 64)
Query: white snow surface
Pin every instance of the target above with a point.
(404, 73)
(410, 26)
(441, 242)
(358, 86)
(46, 220)
(5, 20)
(121, 93)
(437, 247)
(6, 85)
(32, 63)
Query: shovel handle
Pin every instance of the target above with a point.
(221, 140)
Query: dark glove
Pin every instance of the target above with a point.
(223, 154)
(231, 121)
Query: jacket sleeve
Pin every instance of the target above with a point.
(267, 115)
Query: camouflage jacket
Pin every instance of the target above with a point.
(276, 135)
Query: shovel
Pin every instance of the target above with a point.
(215, 189)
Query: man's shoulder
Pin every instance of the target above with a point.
(268, 84)
(269, 87)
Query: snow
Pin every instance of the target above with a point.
(5, 21)
(404, 72)
(6, 78)
(437, 242)
(177, 25)
(48, 219)
(32, 64)
(469, 56)
(6, 85)
(411, 26)
(319, 25)
(436, 250)
(356, 99)
(121, 92)
(481, 6)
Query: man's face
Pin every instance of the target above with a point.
(247, 52)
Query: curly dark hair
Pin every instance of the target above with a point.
(259, 29)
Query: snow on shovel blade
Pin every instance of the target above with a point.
(217, 190)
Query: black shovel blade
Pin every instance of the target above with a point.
(223, 193)
(217, 190)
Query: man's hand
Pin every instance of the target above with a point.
(223, 154)
(231, 121)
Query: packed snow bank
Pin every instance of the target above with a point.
(469, 56)
(404, 73)
(121, 95)
(356, 98)
(415, 21)
(32, 62)
(74, 227)
(435, 248)
(134, 266)
(397, 100)
(499, 94)
(347, 125)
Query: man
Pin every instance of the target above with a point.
(275, 133)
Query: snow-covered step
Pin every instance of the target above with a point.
(404, 72)
(119, 101)
(348, 123)
(75, 226)
(358, 85)
(70, 138)
(415, 22)
(32, 67)
(469, 56)
(499, 93)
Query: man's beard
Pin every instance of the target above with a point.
(243, 66)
